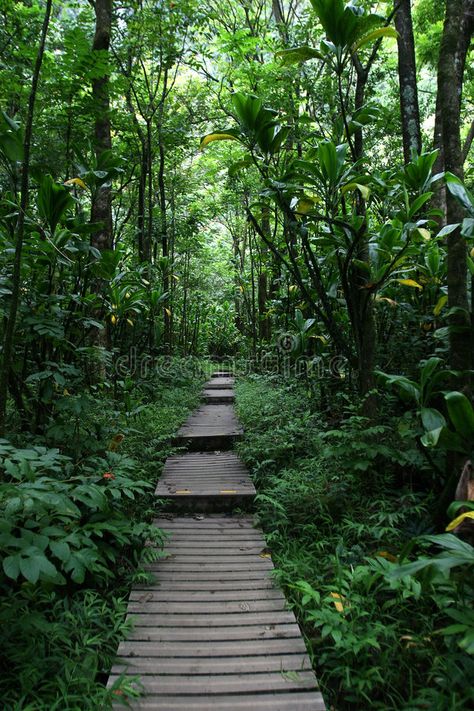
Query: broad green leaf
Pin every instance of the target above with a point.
(30, 568)
(447, 229)
(53, 201)
(363, 189)
(461, 414)
(374, 35)
(432, 419)
(460, 192)
(296, 55)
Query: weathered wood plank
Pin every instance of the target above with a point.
(213, 648)
(214, 595)
(228, 619)
(220, 382)
(227, 683)
(217, 634)
(301, 701)
(209, 665)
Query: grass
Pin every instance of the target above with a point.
(337, 502)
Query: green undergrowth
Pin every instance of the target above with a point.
(340, 499)
(77, 507)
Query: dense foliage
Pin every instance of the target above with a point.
(286, 184)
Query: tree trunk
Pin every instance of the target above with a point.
(409, 107)
(9, 336)
(102, 200)
(457, 32)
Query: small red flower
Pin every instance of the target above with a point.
(108, 475)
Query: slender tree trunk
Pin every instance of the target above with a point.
(102, 200)
(9, 336)
(409, 107)
(457, 32)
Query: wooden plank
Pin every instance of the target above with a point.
(213, 648)
(228, 619)
(203, 606)
(173, 595)
(208, 585)
(219, 382)
(301, 701)
(200, 607)
(227, 683)
(209, 665)
(241, 633)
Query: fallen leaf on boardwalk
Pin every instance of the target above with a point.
(228, 491)
(183, 491)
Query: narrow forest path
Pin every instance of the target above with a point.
(213, 632)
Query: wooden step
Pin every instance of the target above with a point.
(215, 397)
(205, 481)
(220, 383)
(222, 374)
(210, 428)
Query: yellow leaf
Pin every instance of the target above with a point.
(265, 555)
(410, 282)
(472, 253)
(116, 441)
(113, 319)
(130, 322)
(387, 555)
(440, 305)
(76, 181)
(228, 491)
(292, 288)
(304, 206)
(363, 189)
(385, 298)
(459, 519)
(425, 234)
(183, 491)
(168, 312)
(337, 601)
(66, 391)
(218, 136)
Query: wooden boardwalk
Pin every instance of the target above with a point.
(212, 632)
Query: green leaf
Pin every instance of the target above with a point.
(374, 35)
(53, 201)
(460, 192)
(296, 55)
(363, 189)
(30, 568)
(461, 414)
(11, 566)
